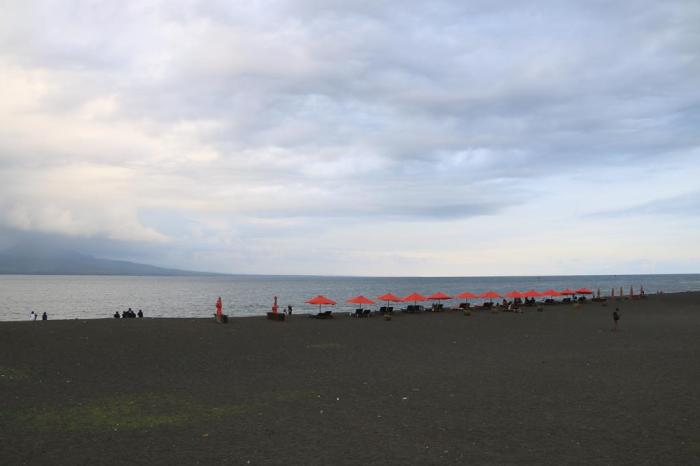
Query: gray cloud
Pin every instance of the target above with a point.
(204, 125)
(684, 205)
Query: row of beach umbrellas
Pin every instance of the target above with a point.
(321, 300)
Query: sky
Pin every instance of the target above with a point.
(398, 138)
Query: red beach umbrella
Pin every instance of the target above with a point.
(414, 297)
(532, 294)
(551, 293)
(467, 295)
(490, 295)
(514, 294)
(389, 297)
(321, 301)
(360, 300)
(567, 292)
(583, 291)
(439, 296)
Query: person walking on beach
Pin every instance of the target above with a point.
(616, 317)
(289, 309)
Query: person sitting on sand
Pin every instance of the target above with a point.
(116, 315)
(32, 315)
(616, 317)
(140, 314)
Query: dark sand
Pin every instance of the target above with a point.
(556, 387)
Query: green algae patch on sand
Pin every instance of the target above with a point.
(117, 413)
(10, 374)
(141, 413)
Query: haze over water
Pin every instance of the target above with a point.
(92, 297)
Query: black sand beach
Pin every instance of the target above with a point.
(557, 387)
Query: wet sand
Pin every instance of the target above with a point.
(556, 387)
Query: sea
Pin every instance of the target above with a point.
(98, 297)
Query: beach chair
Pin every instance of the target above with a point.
(323, 315)
(358, 313)
(367, 313)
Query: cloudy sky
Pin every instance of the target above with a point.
(355, 137)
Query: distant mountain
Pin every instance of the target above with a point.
(41, 261)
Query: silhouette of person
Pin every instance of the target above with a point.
(289, 309)
(616, 317)
(116, 315)
(140, 314)
(44, 316)
(32, 315)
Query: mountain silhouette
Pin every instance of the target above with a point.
(41, 260)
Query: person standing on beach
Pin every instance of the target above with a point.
(32, 315)
(616, 317)
(44, 316)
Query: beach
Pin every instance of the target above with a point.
(551, 387)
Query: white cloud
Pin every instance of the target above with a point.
(412, 137)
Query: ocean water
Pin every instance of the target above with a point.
(94, 297)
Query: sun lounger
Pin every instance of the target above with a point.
(358, 313)
(464, 305)
(322, 315)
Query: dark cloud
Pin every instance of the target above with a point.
(193, 121)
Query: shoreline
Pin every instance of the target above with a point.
(375, 311)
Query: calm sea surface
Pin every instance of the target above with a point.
(91, 297)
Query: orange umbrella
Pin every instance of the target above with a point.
(439, 296)
(567, 292)
(415, 297)
(360, 300)
(532, 294)
(321, 301)
(583, 291)
(514, 294)
(551, 293)
(467, 295)
(490, 295)
(389, 297)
